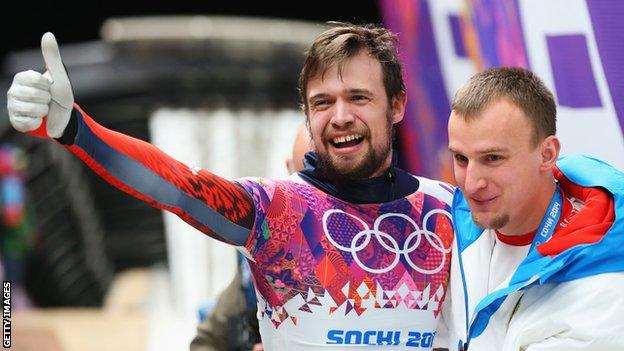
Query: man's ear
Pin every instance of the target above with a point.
(398, 107)
(550, 148)
(308, 127)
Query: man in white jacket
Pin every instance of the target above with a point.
(538, 256)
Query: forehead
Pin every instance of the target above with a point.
(501, 125)
(361, 71)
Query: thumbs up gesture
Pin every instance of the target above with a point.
(42, 101)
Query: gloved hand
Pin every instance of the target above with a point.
(33, 95)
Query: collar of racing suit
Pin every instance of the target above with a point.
(393, 185)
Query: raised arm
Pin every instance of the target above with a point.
(43, 105)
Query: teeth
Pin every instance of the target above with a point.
(346, 138)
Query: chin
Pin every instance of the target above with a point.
(347, 165)
(355, 166)
(483, 221)
(492, 222)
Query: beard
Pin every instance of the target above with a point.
(495, 223)
(370, 163)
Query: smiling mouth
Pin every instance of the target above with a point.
(346, 141)
(485, 201)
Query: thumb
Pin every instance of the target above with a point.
(61, 87)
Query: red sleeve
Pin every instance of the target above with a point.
(214, 205)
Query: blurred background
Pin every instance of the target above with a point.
(214, 85)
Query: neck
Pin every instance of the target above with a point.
(534, 213)
(384, 166)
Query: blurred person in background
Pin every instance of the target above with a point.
(352, 250)
(301, 146)
(230, 325)
(538, 263)
(16, 230)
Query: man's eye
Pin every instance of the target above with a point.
(359, 98)
(493, 158)
(320, 103)
(460, 158)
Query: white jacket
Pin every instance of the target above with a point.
(582, 314)
(573, 300)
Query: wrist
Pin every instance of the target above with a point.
(71, 130)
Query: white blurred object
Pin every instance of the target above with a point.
(210, 27)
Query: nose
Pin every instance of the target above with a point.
(475, 179)
(343, 116)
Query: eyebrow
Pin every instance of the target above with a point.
(350, 91)
(493, 150)
(361, 91)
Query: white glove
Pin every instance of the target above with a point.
(33, 95)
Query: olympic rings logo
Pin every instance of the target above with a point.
(412, 242)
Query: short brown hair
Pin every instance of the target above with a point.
(519, 85)
(346, 40)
